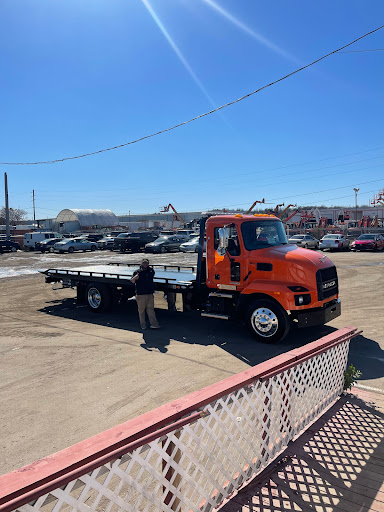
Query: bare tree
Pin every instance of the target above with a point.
(15, 215)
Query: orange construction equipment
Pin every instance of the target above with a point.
(290, 216)
(323, 222)
(254, 204)
(306, 218)
(378, 199)
(165, 209)
(275, 211)
(365, 222)
(282, 213)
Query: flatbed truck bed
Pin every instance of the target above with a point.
(121, 272)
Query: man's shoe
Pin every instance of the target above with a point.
(143, 327)
(155, 326)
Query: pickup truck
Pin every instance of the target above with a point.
(248, 273)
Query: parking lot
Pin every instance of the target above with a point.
(67, 373)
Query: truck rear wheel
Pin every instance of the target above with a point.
(99, 297)
(267, 321)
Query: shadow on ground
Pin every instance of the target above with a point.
(192, 329)
(336, 465)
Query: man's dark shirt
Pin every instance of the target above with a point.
(144, 285)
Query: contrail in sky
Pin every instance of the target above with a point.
(250, 32)
(177, 51)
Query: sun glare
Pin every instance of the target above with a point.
(250, 32)
(175, 48)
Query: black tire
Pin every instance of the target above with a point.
(93, 248)
(305, 246)
(163, 250)
(317, 247)
(197, 249)
(267, 321)
(13, 249)
(70, 250)
(374, 248)
(98, 297)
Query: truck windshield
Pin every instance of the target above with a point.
(258, 234)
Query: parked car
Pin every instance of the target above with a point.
(368, 242)
(8, 246)
(74, 244)
(105, 243)
(334, 242)
(31, 239)
(94, 237)
(305, 241)
(165, 244)
(134, 242)
(190, 246)
(188, 233)
(47, 245)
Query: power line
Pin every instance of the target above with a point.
(199, 116)
(362, 51)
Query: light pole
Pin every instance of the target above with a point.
(356, 191)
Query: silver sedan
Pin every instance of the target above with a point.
(305, 241)
(74, 244)
(334, 242)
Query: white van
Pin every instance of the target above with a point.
(30, 239)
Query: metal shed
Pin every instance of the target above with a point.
(76, 220)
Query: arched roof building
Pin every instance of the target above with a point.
(76, 220)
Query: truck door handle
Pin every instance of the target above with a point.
(246, 277)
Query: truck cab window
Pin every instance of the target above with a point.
(259, 234)
(233, 240)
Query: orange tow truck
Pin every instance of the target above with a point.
(248, 272)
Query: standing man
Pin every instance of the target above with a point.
(143, 280)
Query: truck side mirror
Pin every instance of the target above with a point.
(223, 241)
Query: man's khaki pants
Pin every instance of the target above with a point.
(145, 303)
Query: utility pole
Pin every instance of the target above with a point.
(7, 233)
(34, 211)
(356, 191)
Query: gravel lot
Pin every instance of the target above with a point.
(67, 374)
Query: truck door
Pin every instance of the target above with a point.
(225, 272)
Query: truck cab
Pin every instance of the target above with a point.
(252, 271)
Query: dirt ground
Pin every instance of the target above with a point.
(67, 373)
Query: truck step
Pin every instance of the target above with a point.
(221, 294)
(215, 315)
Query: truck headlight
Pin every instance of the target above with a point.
(303, 300)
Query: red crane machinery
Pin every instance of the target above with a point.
(165, 209)
(378, 199)
(285, 209)
(254, 204)
(306, 218)
(276, 210)
(323, 222)
(290, 216)
(365, 222)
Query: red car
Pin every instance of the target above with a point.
(368, 242)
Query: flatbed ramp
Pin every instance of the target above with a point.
(336, 465)
(172, 275)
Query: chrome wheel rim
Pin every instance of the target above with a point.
(94, 298)
(264, 322)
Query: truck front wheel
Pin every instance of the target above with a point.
(267, 321)
(99, 297)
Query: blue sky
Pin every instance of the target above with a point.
(81, 76)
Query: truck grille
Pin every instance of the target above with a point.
(327, 283)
